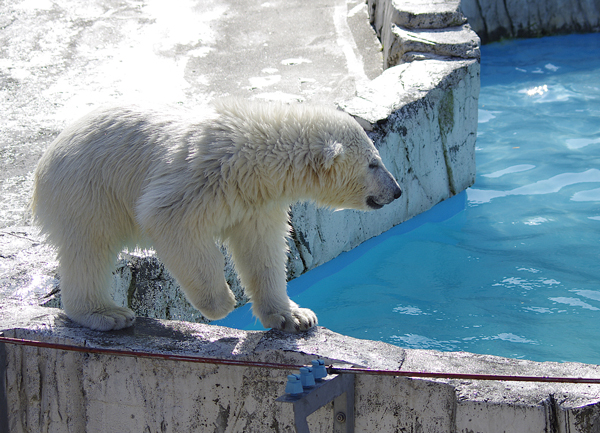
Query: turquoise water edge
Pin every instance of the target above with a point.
(509, 267)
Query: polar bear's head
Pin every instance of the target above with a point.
(352, 173)
(299, 152)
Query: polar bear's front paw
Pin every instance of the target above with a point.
(216, 305)
(105, 318)
(296, 320)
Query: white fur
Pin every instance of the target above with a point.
(121, 174)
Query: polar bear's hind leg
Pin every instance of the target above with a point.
(85, 276)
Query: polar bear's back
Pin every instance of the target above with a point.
(93, 172)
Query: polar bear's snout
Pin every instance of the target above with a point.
(383, 188)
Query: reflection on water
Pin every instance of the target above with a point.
(546, 186)
(510, 170)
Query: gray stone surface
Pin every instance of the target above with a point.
(413, 14)
(494, 20)
(59, 391)
(452, 42)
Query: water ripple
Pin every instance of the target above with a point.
(547, 186)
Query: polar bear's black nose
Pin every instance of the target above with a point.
(397, 193)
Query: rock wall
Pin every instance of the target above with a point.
(494, 20)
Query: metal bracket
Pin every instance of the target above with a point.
(3, 397)
(339, 388)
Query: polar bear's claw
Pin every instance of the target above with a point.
(296, 320)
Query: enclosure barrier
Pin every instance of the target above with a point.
(332, 369)
(338, 386)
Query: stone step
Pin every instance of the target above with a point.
(416, 44)
(416, 14)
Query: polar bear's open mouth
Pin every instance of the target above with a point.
(373, 204)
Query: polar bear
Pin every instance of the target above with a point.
(124, 174)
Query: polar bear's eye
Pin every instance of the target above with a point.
(373, 164)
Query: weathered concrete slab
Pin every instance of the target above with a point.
(450, 42)
(494, 20)
(58, 391)
(516, 406)
(440, 31)
(415, 14)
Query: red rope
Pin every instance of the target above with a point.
(141, 354)
(330, 369)
(464, 376)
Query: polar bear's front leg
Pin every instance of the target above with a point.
(259, 251)
(197, 264)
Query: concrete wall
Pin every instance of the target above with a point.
(494, 20)
(55, 391)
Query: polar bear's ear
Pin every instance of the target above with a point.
(332, 150)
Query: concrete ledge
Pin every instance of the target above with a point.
(57, 391)
(452, 42)
(437, 28)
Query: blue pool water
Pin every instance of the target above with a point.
(511, 266)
